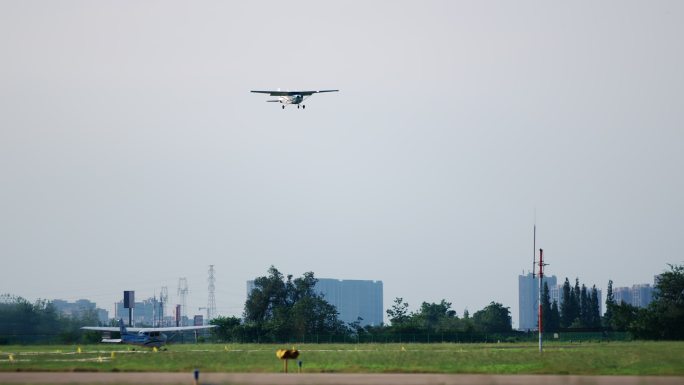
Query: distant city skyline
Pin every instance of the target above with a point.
(526, 320)
(132, 152)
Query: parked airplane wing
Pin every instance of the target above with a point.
(291, 93)
(135, 330)
(176, 328)
(108, 328)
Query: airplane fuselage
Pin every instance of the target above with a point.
(294, 99)
(146, 339)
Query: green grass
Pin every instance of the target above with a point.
(623, 358)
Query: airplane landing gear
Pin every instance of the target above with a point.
(283, 107)
(297, 106)
(303, 106)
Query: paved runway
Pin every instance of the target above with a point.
(326, 379)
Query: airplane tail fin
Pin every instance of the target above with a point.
(122, 327)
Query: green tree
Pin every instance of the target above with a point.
(280, 308)
(624, 316)
(436, 317)
(664, 317)
(269, 295)
(550, 316)
(398, 313)
(576, 303)
(227, 328)
(584, 313)
(554, 320)
(494, 318)
(595, 311)
(610, 302)
(547, 323)
(566, 311)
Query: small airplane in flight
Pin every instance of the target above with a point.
(291, 97)
(147, 337)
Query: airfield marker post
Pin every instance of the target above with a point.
(287, 354)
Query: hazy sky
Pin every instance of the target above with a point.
(132, 152)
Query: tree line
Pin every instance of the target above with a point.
(281, 308)
(579, 308)
(663, 318)
(24, 322)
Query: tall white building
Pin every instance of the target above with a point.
(528, 299)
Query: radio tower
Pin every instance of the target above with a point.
(182, 294)
(211, 305)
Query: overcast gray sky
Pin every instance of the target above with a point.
(132, 152)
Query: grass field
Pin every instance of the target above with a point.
(623, 358)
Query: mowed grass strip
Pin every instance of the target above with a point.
(615, 358)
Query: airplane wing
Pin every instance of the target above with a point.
(135, 330)
(291, 93)
(177, 328)
(110, 329)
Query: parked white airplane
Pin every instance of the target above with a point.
(148, 337)
(291, 97)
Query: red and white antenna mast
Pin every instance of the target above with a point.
(541, 279)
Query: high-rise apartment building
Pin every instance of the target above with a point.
(352, 298)
(79, 308)
(147, 312)
(639, 295)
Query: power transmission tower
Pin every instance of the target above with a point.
(163, 299)
(182, 294)
(211, 305)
